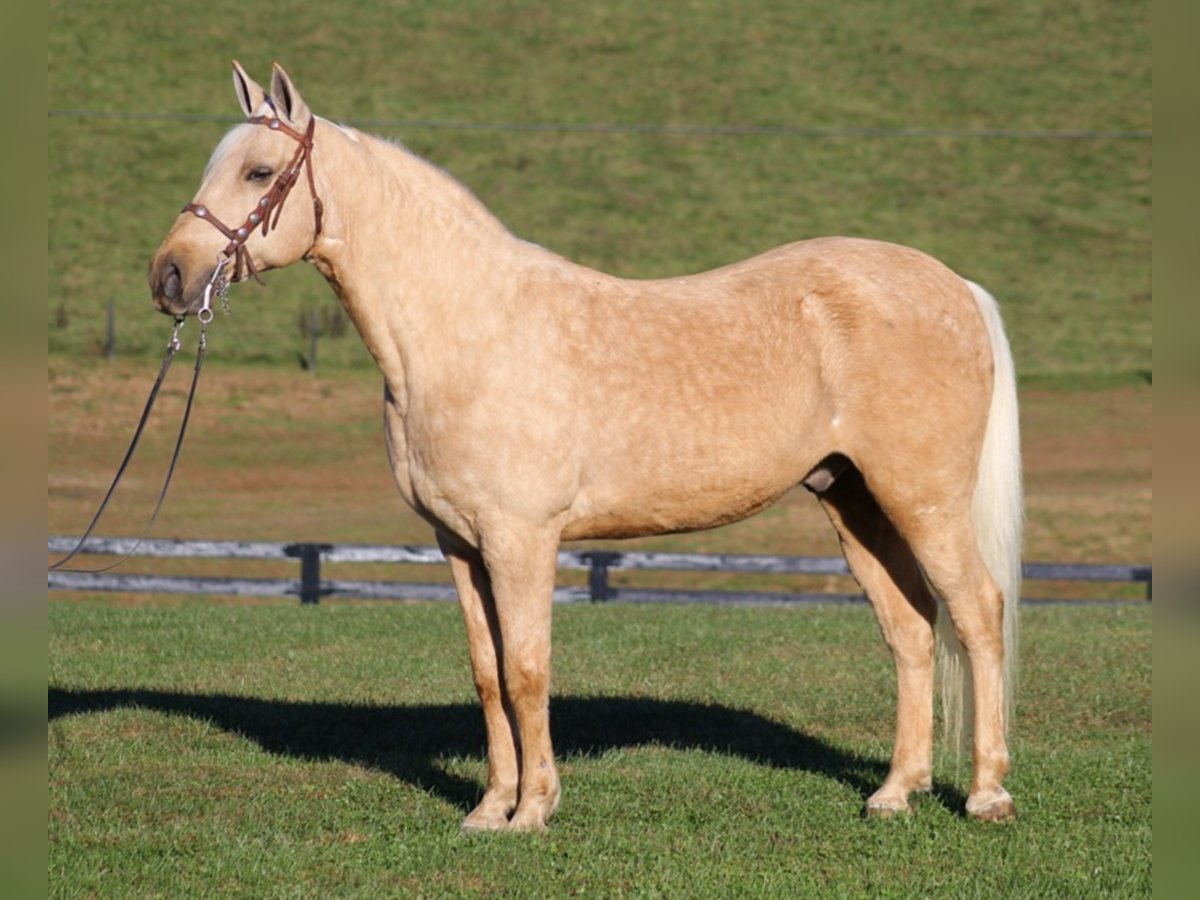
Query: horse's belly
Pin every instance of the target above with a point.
(660, 493)
(689, 466)
(667, 514)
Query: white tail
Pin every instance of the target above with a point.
(998, 517)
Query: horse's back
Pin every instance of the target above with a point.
(703, 398)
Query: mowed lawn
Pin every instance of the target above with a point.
(209, 750)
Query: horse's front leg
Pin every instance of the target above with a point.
(521, 563)
(483, 638)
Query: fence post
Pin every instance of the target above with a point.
(314, 329)
(110, 340)
(310, 569)
(598, 563)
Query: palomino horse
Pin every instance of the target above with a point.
(529, 400)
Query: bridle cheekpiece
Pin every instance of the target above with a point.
(270, 205)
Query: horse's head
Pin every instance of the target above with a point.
(235, 226)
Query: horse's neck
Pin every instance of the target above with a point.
(409, 250)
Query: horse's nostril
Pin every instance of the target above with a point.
(172, 282)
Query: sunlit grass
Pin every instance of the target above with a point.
(333, 751)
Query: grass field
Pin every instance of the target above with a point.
(1058, 229)
(333, 751)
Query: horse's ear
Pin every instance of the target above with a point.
(289, 105)
(249, 94)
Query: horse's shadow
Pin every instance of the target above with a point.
(408, 741)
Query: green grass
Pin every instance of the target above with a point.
(1059, 230)
(332, 751)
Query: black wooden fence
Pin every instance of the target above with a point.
(310, 587)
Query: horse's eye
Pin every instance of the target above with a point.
(258, 174)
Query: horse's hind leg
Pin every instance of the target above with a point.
(483, 639)
(885, 567)
(949, 554)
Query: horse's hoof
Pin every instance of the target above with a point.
(533, 821)
(998, 809)
(877, 809)
(483, 819)
(478, 826)
(888, 802)
(526, 826)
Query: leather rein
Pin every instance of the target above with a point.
(265, 213)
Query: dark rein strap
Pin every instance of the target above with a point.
(172, 349)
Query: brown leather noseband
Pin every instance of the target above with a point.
(270, 205)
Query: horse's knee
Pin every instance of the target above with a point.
(488, 691)
(526, 680)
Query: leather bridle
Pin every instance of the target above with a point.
(270, 205)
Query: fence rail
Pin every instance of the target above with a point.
(310, 587)
(695, 130)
